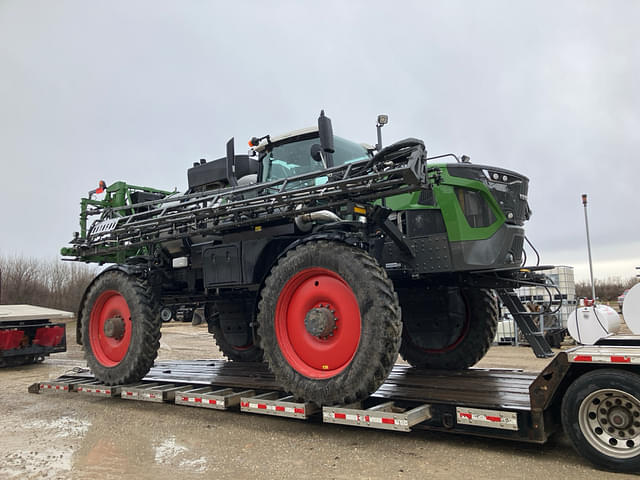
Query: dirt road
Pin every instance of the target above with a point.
(48, 436)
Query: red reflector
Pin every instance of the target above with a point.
(10, 339)
(299, 410)
(341, 416)
(492, 419)
(108, 392)
(262, 406)
(367, 419)
(244, 404)
(388, 421)
(279, 408)
(465, 415)
(129, 393)
(582, 358)
(185, 399)
(198, 400)
(49, 336)
(212, 402)
(617, 359)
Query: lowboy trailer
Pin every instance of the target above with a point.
(593, 392)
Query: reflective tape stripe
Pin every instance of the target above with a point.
(603, 359)
(487, 418)
(210, 401)
(273, 408)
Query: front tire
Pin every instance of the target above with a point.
(601, 415)
(329, 323)
(121, 326)
(447, 328)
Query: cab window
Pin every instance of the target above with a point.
(294, 158)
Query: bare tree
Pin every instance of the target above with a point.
(48, 283)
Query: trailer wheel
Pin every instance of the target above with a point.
(447, 328)
(601, 416)
(329, 323)
(121, 322)
(166, 314)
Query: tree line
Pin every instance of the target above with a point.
(606, 290)
(57, 284)
(46, 283)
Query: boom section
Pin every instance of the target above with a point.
(235, 209)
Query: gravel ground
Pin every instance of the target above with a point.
(50, 436)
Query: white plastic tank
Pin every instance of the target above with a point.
(589, 324)
(631, 309)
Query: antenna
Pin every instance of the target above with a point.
(586, 223)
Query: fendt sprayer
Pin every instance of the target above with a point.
(325, 257)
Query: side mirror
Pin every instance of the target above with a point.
(316, 152)
(325, 131)
(230, 164)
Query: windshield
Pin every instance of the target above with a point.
(294, 158)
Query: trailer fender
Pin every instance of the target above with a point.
(128, 269)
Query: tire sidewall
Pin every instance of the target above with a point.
(482, 322)
(581, 388)
(123, 284)
(337, 258)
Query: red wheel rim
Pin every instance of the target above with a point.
(109, 351)
(310, 355)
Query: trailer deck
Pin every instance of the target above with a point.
(467, 402)
(499, 403)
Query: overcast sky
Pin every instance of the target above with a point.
(137, 91)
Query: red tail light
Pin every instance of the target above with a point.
(48, 336)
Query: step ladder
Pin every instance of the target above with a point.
(523, 319)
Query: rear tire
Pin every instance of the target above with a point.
(600, 413)
(329, 323)
(447, 328)
(121, 328)
(245, 353)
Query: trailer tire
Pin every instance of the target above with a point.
(122, 325)
(329, 323)
(470, 317)
(601, 415)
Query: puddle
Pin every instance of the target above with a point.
(46, 460)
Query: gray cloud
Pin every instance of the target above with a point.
(139, 90)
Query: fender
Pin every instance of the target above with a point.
(128, 269)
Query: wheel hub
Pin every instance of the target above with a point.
(320, 321)
(620, 417)
(114, 327)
